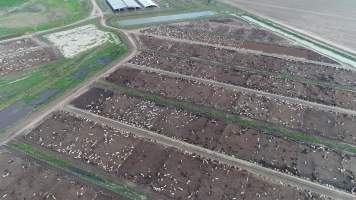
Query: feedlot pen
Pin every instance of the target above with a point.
(182, 86)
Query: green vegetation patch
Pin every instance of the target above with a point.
(119, 188)
(10, 3)
(61, 75)
(235, 119)
(27, 92)
(17, 18)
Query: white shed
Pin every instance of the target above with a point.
(117, 5)
(147, 3)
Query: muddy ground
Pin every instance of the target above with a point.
(164, 171)
(24, 54)
(24, 178)
(251, 61)
(18, 45)
(230, 31)
(254, 106)
(235, 33)
(267, 82)
(313, 162)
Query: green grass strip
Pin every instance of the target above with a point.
(9, 3)
(233, 118)
(119, 188)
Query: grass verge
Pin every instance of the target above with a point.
(119, 188)
(9, 3)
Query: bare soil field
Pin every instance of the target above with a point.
(272, 110)
(23, 178)
(164, 171)
(309, 161)
(327, 20)
(236, 33)
(267, 82)
(252, 61)
(24, 54)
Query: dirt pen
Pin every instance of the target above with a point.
(309, 161)
(247, 104)
(164, 171)
(24, 54)
(218, 85)
(22, 178)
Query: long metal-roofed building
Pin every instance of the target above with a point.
(118, 5)
(147, 3)
(131, 4)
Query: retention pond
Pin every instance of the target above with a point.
(166, 18)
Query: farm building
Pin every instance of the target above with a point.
(131, 4)
(118, 5)
(147, 3)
